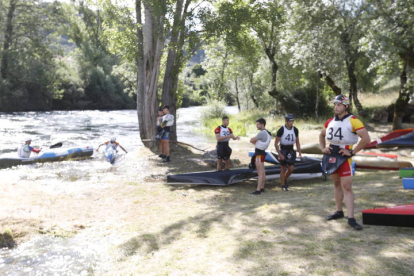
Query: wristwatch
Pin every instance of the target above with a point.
(352, 152)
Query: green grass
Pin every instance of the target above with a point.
(244, 123)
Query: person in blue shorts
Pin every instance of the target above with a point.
(166, 124)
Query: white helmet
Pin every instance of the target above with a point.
(27, 139)
(113, 139)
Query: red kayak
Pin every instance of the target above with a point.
(395, 134)
(376, 154)
(402, 216)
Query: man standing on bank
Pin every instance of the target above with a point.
(342, 132)
(287, 136)
(223, 136)
(167, 123)
(261, 143)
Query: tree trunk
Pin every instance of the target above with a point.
(252, 96)
(403, 98)
(271, 52)
(220, 91)
(174, 59)
(317, 95)
(8, 38)
(353, 92)
(236, 85)
(350, 60)
(150, 46)
(330, 82)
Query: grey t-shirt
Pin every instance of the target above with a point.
(262, 136)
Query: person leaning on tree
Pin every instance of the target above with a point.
(342, 132)
(167, 123)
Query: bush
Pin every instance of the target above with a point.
(214, 109)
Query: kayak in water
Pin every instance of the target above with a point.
(53, 155)
(111, 154)
(111, 150)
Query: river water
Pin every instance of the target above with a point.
(79, 255)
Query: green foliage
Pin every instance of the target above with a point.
(58, 60)
(214, 109)
(302, 102)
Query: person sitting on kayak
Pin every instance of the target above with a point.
(25, 150)
(112, 144)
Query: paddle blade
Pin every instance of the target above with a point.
(57, 145)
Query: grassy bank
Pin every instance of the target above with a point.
(244, 123)
(195, 230)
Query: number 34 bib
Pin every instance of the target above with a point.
(343, 132)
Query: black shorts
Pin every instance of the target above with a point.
(290, 157)
(223, 151)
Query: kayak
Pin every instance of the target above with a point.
(375, 163)
(111, 155)
(48, 156)
(406, 140)
(315, 148)
(273, 158)
(390, 136)
(402, 215)
(223, 178)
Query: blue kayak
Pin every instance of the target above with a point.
(55, 155)
(111, 155)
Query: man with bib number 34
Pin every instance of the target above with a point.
(342, 132)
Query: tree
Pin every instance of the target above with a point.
(392, 36)
(328, 34)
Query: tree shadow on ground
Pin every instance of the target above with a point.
(279, 233)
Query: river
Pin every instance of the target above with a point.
(78, 255)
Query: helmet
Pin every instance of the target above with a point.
(28, 139)
(113, 139)
(289, 117)
(341, 99)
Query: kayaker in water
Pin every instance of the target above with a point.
(287, 136)
(112, 143)
(261, 142)
(223, 135)
(342, 132)
(25, 150)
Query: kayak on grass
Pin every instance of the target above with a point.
(405, 141)
(390, 136)
(54, 155)
(223, 178)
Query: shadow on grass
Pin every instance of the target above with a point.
(285, 233)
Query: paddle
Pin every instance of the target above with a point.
(57, 145)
